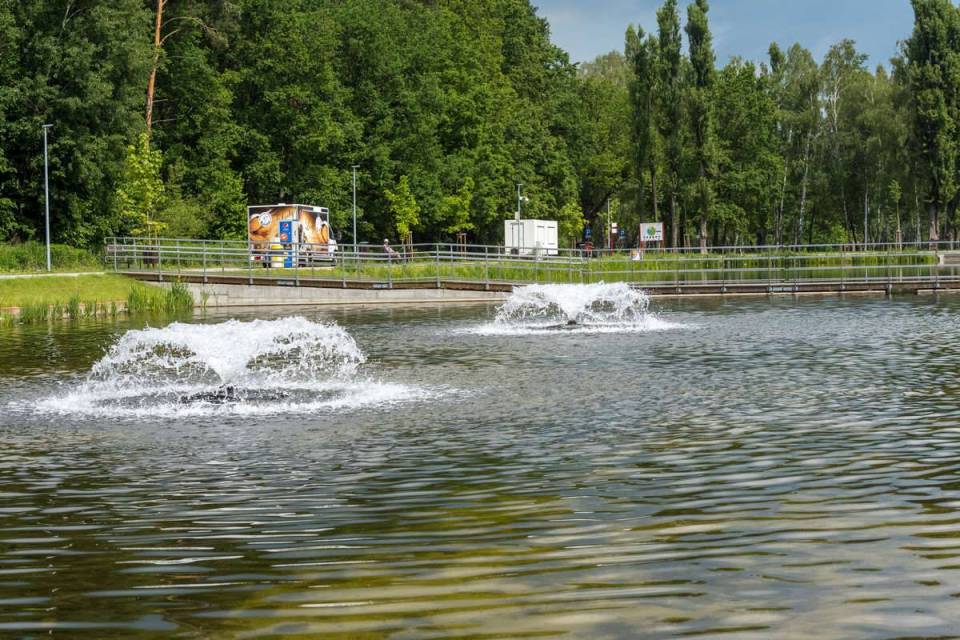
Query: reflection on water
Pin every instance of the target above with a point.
(768, 469)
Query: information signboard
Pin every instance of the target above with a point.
(651, 232)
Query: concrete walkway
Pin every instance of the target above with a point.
(17, 276)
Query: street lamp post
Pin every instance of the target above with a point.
(609, 228)
(46, 190)
(354, 167)
(519, 199)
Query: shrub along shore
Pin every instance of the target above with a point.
(31, 257)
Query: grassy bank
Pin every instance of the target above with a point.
(20, 292)
(32, 300)
(31, 257)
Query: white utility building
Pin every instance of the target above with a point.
(531, 237)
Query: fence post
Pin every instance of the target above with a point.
(843, 269)
(889, 275)
(250, 264)
(159, 261)
(677, 259)
(486, 268)
(936, 273)
(723, 275)
(204, 262)
(389, 271)
(437, 249)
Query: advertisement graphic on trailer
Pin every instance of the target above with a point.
(306, 225)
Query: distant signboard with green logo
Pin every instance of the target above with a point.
(651, 232)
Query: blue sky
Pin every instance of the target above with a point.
(586, 28)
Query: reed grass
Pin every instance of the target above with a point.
(73, 307)
(34, 313)
(144, 299)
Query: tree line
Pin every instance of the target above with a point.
(170, 116)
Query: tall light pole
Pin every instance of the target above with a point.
(609, 228)
(519, 199)
(46, 189)
(354, 167)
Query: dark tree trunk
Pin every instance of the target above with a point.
(653, 193)
(674, 221)
(152, 82)
(933, 212)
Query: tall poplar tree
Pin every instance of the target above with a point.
(933, 65)
(669, 107)
(641, 55)
(701, 110)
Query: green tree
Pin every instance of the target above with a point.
(795, 79)
(405, 210)
(10, 225)
(643, 89)
(749, 160)
(140, 190)
(601, 150)
(669, 107)
(570, 223)
(842, 69)
(933, 71)
(456, 209)
(701, 111)
(80, 68)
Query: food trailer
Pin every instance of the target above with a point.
(288, 235)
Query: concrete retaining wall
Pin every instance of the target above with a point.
(229, 295)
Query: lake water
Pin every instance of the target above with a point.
(743, 468)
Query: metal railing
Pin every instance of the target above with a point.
(438, 263)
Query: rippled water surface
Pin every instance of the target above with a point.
(746, 469)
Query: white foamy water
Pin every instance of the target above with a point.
(261, 367)
(575, 308)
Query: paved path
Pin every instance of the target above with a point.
(17, 276)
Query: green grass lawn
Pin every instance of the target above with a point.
(53, 290)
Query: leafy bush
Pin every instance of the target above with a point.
(32, 256)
